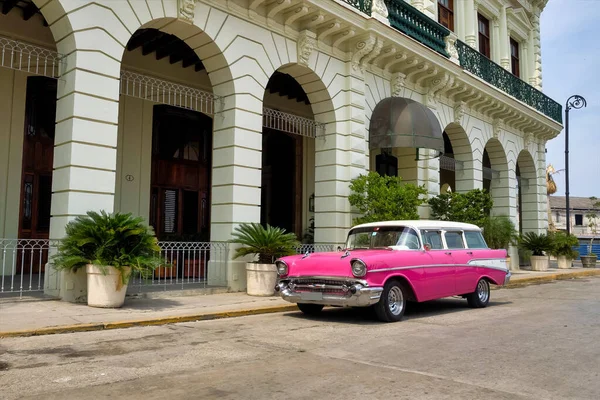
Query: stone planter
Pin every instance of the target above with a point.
(106, 291)
(589, 261)
(564, 262)
(261, 279)
(539, 263)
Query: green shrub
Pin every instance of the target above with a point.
(117, 240)
(563, 243)
(536, 243)
(472, 207)
(268, 243)
(499, 232)
(385, 198)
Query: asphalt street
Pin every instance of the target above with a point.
(535, 342)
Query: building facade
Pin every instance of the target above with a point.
(201, 115)
(581, 211)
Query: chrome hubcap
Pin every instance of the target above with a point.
(483, 291)
(395, 300)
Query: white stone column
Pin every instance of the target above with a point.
(495, 43)
(536, 79)
(524, 60)
(470, 10)
(85, 154)
(503, 41)
(236, 179)
(459, 19)
(341, 155)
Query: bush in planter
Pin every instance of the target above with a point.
(499, 232)
(268, 244)
(537, 244)
(472, 207)
(562, 248)
(115, 244)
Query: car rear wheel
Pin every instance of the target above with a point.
(392, 304)
(310, 309)
(481, 296)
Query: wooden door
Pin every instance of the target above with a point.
(36, 176)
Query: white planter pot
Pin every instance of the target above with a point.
(261, 279)
(539, 263)
(564, 262)
(106, 291)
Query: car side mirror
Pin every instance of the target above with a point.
(427, 246)
(339, 248)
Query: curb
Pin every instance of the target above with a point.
(146, 322)
(517, 283)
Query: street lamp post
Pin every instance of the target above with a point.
(576, 102)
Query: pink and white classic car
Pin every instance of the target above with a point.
(385, 264)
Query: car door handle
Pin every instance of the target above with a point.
(470, 253)
(448, 253)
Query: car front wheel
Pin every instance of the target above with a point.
(481, 296)
(392, 304)
(310, 309)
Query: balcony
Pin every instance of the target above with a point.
(479, 65)
(361, 5)
(417, 25)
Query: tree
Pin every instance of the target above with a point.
(472, 207)
(592, 217)
(385, 198)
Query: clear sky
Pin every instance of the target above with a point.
(570, 33)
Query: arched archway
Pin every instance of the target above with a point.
(496, 177)
(456, 164)
(298, 119)
(30, 68)
(527, 199)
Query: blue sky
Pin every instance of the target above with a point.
(570, 34)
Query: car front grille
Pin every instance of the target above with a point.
(335, 287)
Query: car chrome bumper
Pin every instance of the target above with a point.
(357, 295)
(507, 278)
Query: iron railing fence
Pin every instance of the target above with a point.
(23, 264)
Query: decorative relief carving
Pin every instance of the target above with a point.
(306, 44)
(397, 84)
(451, 47)
(185, 11)
(380, 11)
(363, 48)
(497, 126)
(459, 112)
(527, 139)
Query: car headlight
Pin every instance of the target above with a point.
(359, 268)
(282, 268)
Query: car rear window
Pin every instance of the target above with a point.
(454, 240)
(475, 240)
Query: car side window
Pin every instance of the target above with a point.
(433, 239)
(475, 240)
(454, 240)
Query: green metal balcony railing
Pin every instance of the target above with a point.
(417, 25)
(481, 66)
(361, 5)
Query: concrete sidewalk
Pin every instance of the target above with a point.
(28, 318)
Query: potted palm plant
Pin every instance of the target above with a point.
(111, 247)
(500, 232)
(562, 248)
(538, 244)
(266, 245)
(589, 260)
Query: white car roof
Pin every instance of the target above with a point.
(423, 224)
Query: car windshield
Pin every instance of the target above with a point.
(383, 237)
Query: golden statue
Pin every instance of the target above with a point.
(550, 189)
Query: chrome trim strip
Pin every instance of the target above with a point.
(324, 277)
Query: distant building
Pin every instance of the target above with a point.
(580, 207)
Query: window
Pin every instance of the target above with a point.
(475, 240)
(381, 237)
(446, 13)
(433, 239)
(454, 240)
(578, 219)
(514, 57)
(484, 35)
(557, 216)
